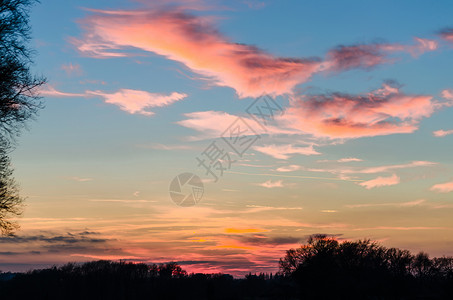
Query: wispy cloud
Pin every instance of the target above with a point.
(348, 159)
(72, 69)
(388, 168)
(166, 147)
(340, 178)
(447, 34)
(271, 184)
(257, 208)
(446, 187)
(212, 124)
(80, 179)
(341, 160)
(131, 101)
(442, 133)
(138, 102)
(374, 170)
(447, 94)
(393, 204)
(285, 151)
(50, 91)
(289, 168)
(381, 181)
(367, 56)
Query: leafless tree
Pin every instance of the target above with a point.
(19, 98)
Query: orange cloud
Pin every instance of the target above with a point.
(381, 112)
(381, 181)
(194, 42)
(446, 187)
(245, 230)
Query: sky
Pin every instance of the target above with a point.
(297, 117)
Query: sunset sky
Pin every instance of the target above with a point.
(138, 90)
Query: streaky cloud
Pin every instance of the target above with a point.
(381, 181)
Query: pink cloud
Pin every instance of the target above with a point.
(447, 34)
(447, 94)
(50, 91)
(367, 56)
(344, 58)
(136, 102)
(422, 46)
(446, 187)
(285, 151)
(442, 133)
(131, 101)
(381, 181)
(381, 112)
(194, 42)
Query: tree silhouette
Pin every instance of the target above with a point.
(326, 269)
(19, 99)
(10, 201)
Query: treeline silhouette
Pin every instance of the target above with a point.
(324, 268)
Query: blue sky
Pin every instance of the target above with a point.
(87, 165)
